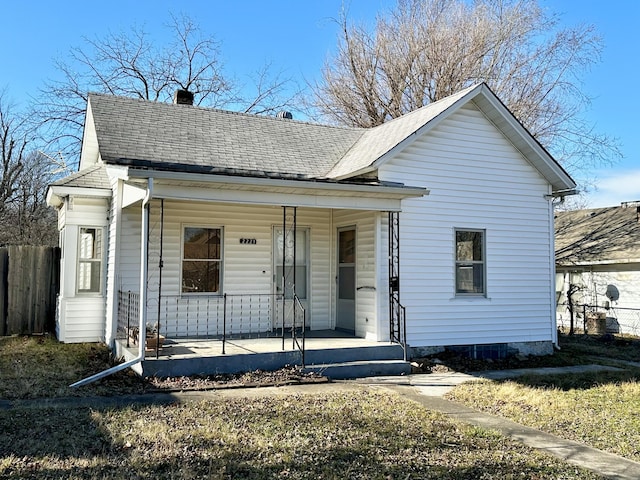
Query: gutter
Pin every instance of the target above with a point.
(401, 191)
(142, 326)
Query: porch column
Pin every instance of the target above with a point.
(144, 268)
(396, 313)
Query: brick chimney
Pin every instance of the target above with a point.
(183, 97)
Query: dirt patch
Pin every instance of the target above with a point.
(452, 362)
(290, 375)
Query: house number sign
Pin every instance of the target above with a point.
(248, 241)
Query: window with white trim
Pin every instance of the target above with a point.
(90, 249)
(201, 260)
(470, 262)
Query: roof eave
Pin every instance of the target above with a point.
(588, 263)
(57, 193)
(311, 184)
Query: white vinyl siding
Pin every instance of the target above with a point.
(84, 320)
(248, 266)
(81, 315)
(477, 180)
(113, 246)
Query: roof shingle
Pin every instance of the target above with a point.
(598, 235)
(92, 177)
(135, 130)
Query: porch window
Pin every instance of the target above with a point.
(201, 260)
(90, 260)
(470, 262)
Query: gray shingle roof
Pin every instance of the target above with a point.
(186, 138)
(598, 235)
(92, 177)
(133, 131)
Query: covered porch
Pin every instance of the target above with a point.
(225, 265)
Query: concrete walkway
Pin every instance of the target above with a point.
(425, 389)
(428, 390)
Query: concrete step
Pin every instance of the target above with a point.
(361, 369)
(344, 355)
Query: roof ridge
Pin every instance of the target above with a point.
(162, 104)
(430, 105)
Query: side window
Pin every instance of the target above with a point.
(90, 248)
(201, 260)
(470, 262)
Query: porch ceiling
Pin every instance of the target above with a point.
(266, 191)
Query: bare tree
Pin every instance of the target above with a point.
(24, 216)
(131, 64)
(13, 143)
(424, 50)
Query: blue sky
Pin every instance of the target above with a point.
(297, 35)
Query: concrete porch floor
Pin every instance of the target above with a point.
(181, 357)
(317, 340)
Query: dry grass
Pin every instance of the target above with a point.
(600, 410)
(350, 435)
(362, 435)
(597, 409)
(40, 366)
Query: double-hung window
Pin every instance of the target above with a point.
(201, 260)
(470, 262)
(90, 249)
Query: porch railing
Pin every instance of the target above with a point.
(299, 340)
(221, 317)
(128, 315)
(212, 316)
(398, 314)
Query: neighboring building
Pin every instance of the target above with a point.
(598, 252)
(444, 213)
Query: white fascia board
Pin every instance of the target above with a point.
(259, 183)
(269, 191)
(56, 193)
(354, 202)
(53, 200)
(132, 194)
(90, 153)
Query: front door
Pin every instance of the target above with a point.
(285, 262)
(346, 280)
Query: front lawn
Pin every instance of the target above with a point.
(356, 435)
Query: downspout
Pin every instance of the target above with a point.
(552, 274)
(142, 327)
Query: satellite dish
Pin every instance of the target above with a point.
(612, 293)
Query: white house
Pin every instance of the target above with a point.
(202, 221)
(598, 255)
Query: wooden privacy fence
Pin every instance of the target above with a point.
(29, 286)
